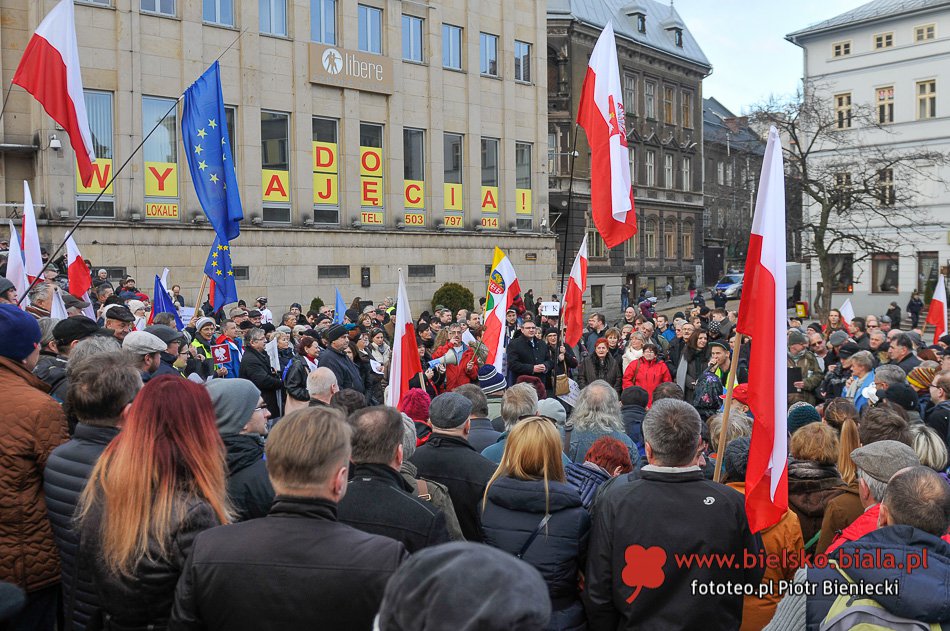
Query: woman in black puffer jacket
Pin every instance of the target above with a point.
(528, 488)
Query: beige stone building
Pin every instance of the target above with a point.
(367, 135)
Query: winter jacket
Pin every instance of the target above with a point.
(587, 478)
(347, 374)
(679, 512)
(64, 478)
(451, 461)
(203, 364)
(33, 426)
(457, 375)
(51, 369)
(632, 416)
(249, 488)
(581, 442)
(909, 363)
(646, 374)
(894, 313)
(840, 512)
(570, 362)
(167, 366)
(524, 353)
(939, 419)
(785, 535)
(865, 523)
(481, 434)
(810, 487)
(833, 383)
(297, 568)
(592, 369)
(295, 379)
(379, 501)
(236, 347)
(435, 494)
(512, 512)
(256, 368)
(144, 599)
(811, 378)
(696, 362)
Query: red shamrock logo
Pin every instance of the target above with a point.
(644, 568)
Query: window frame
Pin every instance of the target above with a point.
(365, 28)
(272, 32)
(686, 171)
(843, 110)
(157, 10)
(522, 61)
(448, 29)
(887, 194)
(883, 40)
(485, 142)
(278, 206)
(488, 41)
(926, 100)
(409, 21)
(106, 200)
(670, 240)
(876, 281)
(322, 12)
(669, 171)
(448, 142)
(921, 33)
(649, 239)
(687, 252)
(328, 214)
(629, 81)
(884, 106)
(686, 109)
(409, 170)
(596, 248)
(217, 21)
(841, 49)
(649, 99)
(846, 271)
(650, 166)
(669, 105)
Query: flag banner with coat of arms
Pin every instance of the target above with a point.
(503, 290)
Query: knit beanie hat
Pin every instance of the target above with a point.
(203, 322)
(489, 380)
(415, 403)
(921, 378)
(234, 402)
(735, 458)
(800, 415)
(19, 333)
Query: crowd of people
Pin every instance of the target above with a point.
(243, 472)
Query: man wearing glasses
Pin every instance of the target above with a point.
(528, 355)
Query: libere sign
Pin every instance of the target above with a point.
(332, 65)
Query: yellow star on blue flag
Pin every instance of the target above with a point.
(219, 269)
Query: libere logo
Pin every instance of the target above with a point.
(332, 61)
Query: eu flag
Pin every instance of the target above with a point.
(204, 133)
(218, 269)
(162, 303)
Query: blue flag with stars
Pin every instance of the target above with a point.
(218, 269)
(204, 133)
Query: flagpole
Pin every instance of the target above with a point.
(724, 426)
(201, 292)
(570, 199)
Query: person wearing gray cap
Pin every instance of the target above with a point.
(334, 358)
(175, 341)
(448, 458)
(7, 292)
(811, 375)
(146, 350)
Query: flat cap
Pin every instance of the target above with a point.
(70, 301)
(118, 312)
(165, 333)
(838, 338)
(73, 328)
(848, 349)
(143, 343)
(882, 459)
(796, 337)
(449, 410)
(334, 332)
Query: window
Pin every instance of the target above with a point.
(323, 21)
(641, 23)
(721, 173)
(230, 115)
(522, 62)
(371, 184)
(370, 28)
(219, 12)
(883, 40)
(451, 47)
(925, 32)
(105, 3)
(884, 268)
(687, 238)
(523, 183)
(686, 109)
(633, 168)
(843, 190)
(326, 171)
(596, 247)
(630, 247)
(649, 99)
(163, 7)
(668, 171)
(928, 266)
(413, 151)
(489, 54)
(678, 37)
(630, 93)
(885, 187)
(651, 168)
(333, 271)
(163, 143)
(843, 111)
(99, 112)
(885, 105)
(596, 296)
(273, 17)
(489, 162)
(687, 174)
(241, 272)
(452, 158)
(275, 156)
(412, 38)
(842, 273)
(669, 240)
(841, 49)
(668, 105)
(649, 240)
(421, 271)
(926, 99)
(729, 174)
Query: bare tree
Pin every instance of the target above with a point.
(860, 193)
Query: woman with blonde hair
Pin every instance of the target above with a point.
(634, 350)
(157, 485)
(813, 478)
(530, 511)
(841, 416)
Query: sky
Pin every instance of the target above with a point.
(745, 42)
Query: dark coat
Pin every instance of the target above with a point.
(347, 374)
(297, 568)
(810, 487)
(939, 418)
(256, 368)
(592, 369)
(522, 357)
(908, 363)
(451, 461)
(513, 510)
(249, 487)
(482, 434)
(380, 501)
(166, 366)
(632, 416)
(586, 477)
(295, 380)
(649, 512)
(64, 478)
(52, 370)
(145, 598)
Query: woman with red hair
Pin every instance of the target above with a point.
(607, 458)
(158, 484)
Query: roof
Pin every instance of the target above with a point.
(716, 130)
(658, 15)
(874, 11)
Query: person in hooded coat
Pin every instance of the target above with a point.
(813, 478)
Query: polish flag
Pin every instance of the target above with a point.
(574, 297)
(404, 363)
(503, 288)
(50, 71)
(80, 280)
(601, 114)
(16, 273)
(762, 317)
(30, 238)
(937, 312)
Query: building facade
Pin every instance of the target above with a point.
(368, 135)
(661, 68)
(891, 59)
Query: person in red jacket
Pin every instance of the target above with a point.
(647, 372)
(466, 371)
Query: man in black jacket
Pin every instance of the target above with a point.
(256, 368)
(347, 374)
(529, 355)
(101, 389)
(448, 458)
(379, 500)
(640, 525)
(297, 568)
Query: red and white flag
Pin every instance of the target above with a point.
(574, 297)
(30, 238)
(937, 312)
(50, 71)
(602, 116)
(762, 317)
(80, 278)
(404, 363)
(16, 273)
(503, 290)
